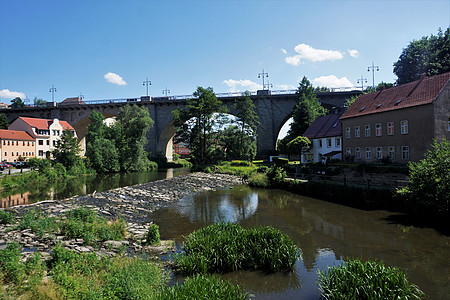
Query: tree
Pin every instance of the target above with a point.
(100, 146)
(17, 103)
(67, 150)
(429, 180)
(429, 55)
(233, 146)
(382, 85)
(4, 122)
(196, 124)
(39, 102)
(130, 132)
(307, 109)
(248, 122)
(298, 144)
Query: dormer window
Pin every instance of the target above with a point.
(398, 101)
(362, 109)
(379, 105)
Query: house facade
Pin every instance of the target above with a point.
(45, 131)
(325, 136)
(398, 124)
(16, 145)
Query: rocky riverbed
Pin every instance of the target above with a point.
(133, 203)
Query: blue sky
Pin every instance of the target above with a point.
(106, 49)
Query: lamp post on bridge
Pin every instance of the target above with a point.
(361, 80)
(373, 73)
(262, 75)
(268, 85)
(166, 91)
(147, 83)
(53, 90)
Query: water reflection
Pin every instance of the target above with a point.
(325, 232)
(62, 189)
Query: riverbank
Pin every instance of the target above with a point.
(133, 204)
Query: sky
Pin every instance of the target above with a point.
(104, 49)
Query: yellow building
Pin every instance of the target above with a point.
(16, 145)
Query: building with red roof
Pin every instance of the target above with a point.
(325, 135)
(16, 145)
(398, 123)
(45, 131)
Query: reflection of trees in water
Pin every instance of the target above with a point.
(279, 200)
(232, 205)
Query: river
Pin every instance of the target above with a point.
(325, 232)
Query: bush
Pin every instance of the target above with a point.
(6, 217)
(369, 280)
(276, 175)
(429, 180)
(259, 180)
(175, 156)
(38, 222)
(153, 235)
(226, 247)
(204, 287)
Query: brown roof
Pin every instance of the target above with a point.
(44, 124)
(324, 126)
(422, 91)
(73, 100)
(15, 135)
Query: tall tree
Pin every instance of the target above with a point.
(429, 55)
(39, 102)
(196, 124)
(4, 122)
(130, 131)
(17, 103)
(67, 150)
(298, 145)
(307, 109)
(247, 120)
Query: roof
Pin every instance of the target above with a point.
(420, 92)
(15, 135)
(73, 100)
(44, 124)
(324, 126)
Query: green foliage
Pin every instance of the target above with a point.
(17, 103)
(175, 156)
(369, 280)
(12, 269)
(276, 175)
(204, 287)
(429, 180)
(4, 122)
(235, 144)
(259, 180)
(38, 222)
(153, 235)
(196, 125)
(298, 145)
(307, 109)
(226, 247)
(6, 217)
(239, 168)
(429, 55)
(67, 150)
(39, 102)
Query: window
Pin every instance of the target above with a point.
(368, 153)
(358, 153)
(48, 142)
(23, 143)
(54, 143)
(391, 152)
(378, 129)
(54, 132)
(41, 153)
(17, 143)
(348, 151)
(41, 142)
(328, 143)
(319, 143)
(8, 143)
(367, 132)
(12, 153)
(337, 142)
(347, 132)
(6, 153)
(390, 128)
(357, 132)
(379, 153)
(405, 152)
(404, 127)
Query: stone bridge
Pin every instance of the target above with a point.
(273, 112)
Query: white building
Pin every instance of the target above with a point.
(325, 136)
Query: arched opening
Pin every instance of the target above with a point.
(286, 125)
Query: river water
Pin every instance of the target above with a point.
(325, 232)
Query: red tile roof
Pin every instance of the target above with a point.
(15, 135)
(422, 91)
(44, 124)
(324, 126)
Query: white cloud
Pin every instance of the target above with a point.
(114, 78)
(306, 52)
(332, 81)
(353, 52)
(7, 94)
(241, 85)
(283, 51)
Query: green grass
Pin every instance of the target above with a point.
(239, 168)
(226, 247)
(6, 217)
(368, 280)
(204, 287)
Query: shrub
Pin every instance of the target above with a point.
(6, 217)
(225, 247)
(38, 222)
(204, 287)
(276, 175)
(11, 267)
(175, 156)
(259, 180)
(369, 280)
(153, 235)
